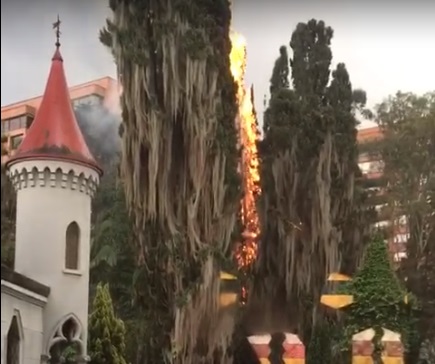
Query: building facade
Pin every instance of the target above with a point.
(45, 298)
(371, 165)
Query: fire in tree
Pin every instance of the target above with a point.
(248, 136)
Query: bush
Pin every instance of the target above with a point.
(106, 331)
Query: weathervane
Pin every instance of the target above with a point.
(56, 26)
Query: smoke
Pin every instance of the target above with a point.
(111, 101)
(100, 127)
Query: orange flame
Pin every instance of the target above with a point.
(248, 135)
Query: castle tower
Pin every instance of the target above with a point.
(55, 177)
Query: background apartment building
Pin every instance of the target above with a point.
(16, 118)
(371, 165)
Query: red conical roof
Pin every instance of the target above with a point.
(55, 134)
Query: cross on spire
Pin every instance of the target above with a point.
(55, 134)
(56, 26)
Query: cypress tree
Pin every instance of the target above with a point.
(311, 222)
(178, 166)
(280, 74)
(106, 331)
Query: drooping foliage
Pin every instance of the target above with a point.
(179, 166)
(106, 331)
(308, 173)
(379, 299)
(8, 209)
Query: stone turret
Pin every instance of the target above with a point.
(55, 176)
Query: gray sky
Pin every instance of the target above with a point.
(386, 48)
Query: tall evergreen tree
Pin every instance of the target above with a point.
(106, 331)
(379, 298)
(179, 167)
(311, 225)
(280, 74)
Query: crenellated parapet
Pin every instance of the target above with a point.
(53, 174)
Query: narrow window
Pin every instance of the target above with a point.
(13, 343)
(72, 246)
(16, 141)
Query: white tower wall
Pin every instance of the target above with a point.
(50, 196)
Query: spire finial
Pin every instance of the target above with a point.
(56, 26)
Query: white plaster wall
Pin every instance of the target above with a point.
(43, 214)
(31, 317)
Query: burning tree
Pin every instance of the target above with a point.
(179, 166)
(309, 217)
(246, 122)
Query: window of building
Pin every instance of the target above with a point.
(67, 342)
(401, 238)
(365, 167)
(72, 246)
(371, 166)
(5, 126)
(363, 156)
(5, 150)
(23, 121)
(15, 123)
(91, 100)
(375, 167)
(29, 121)
(16, 141)
(13, 343)
(20, 122)
(402, 220)
(379, 207)
(381, 224)
(399, 256)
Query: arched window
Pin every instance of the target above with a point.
(67, 343)
(72, 246)
(13, 343)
